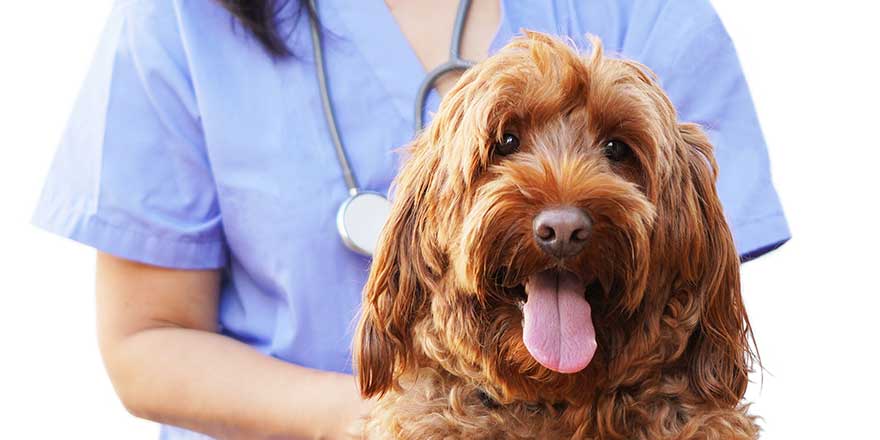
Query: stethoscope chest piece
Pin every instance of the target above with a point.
(360, 220)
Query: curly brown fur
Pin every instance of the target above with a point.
(442, 317)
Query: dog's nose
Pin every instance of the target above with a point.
(562, 232)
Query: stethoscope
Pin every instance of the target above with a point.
(363, 214)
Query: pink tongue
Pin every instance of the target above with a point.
(558, 330)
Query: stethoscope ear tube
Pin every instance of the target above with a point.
(449, 66)
(455, 62)
(327, 104)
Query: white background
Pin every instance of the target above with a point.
(813, 68)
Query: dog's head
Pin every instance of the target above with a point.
(556, 229)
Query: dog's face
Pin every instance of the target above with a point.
(556, 230)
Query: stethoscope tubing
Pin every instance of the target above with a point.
(358, 200)
(455, 62)
(327, 105)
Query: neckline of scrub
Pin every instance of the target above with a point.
(383, 40)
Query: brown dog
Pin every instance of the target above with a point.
(556, 265)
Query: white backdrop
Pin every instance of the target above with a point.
(813, 68)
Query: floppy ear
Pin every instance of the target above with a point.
(718, 352)
(430, 191)
(405, 266)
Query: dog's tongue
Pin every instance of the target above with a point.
(558, 330)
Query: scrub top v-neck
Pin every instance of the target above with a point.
(189, 147)
(388, 54)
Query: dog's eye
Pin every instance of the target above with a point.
(509, 144)
(616, 150)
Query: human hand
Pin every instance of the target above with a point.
(348, 420)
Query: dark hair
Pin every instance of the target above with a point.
(264, 19)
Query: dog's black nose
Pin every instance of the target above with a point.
(562, 232)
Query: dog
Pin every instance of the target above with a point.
(557, 264)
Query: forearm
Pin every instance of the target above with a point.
(213, 384)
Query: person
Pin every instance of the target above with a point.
(198, 163)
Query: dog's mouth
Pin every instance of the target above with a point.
(557, 324)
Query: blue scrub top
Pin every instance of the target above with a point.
(190, 148)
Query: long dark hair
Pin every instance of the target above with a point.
(264, 19)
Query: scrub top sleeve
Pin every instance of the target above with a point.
(691, 52)
(131, 176)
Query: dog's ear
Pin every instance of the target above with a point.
(405, 266)
(718, 351)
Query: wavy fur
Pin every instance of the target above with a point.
(441, 322)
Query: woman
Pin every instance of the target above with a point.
(199, 164)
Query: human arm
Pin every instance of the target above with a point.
(157, 330)
(132, 177)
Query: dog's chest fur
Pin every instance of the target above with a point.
(432, 405)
